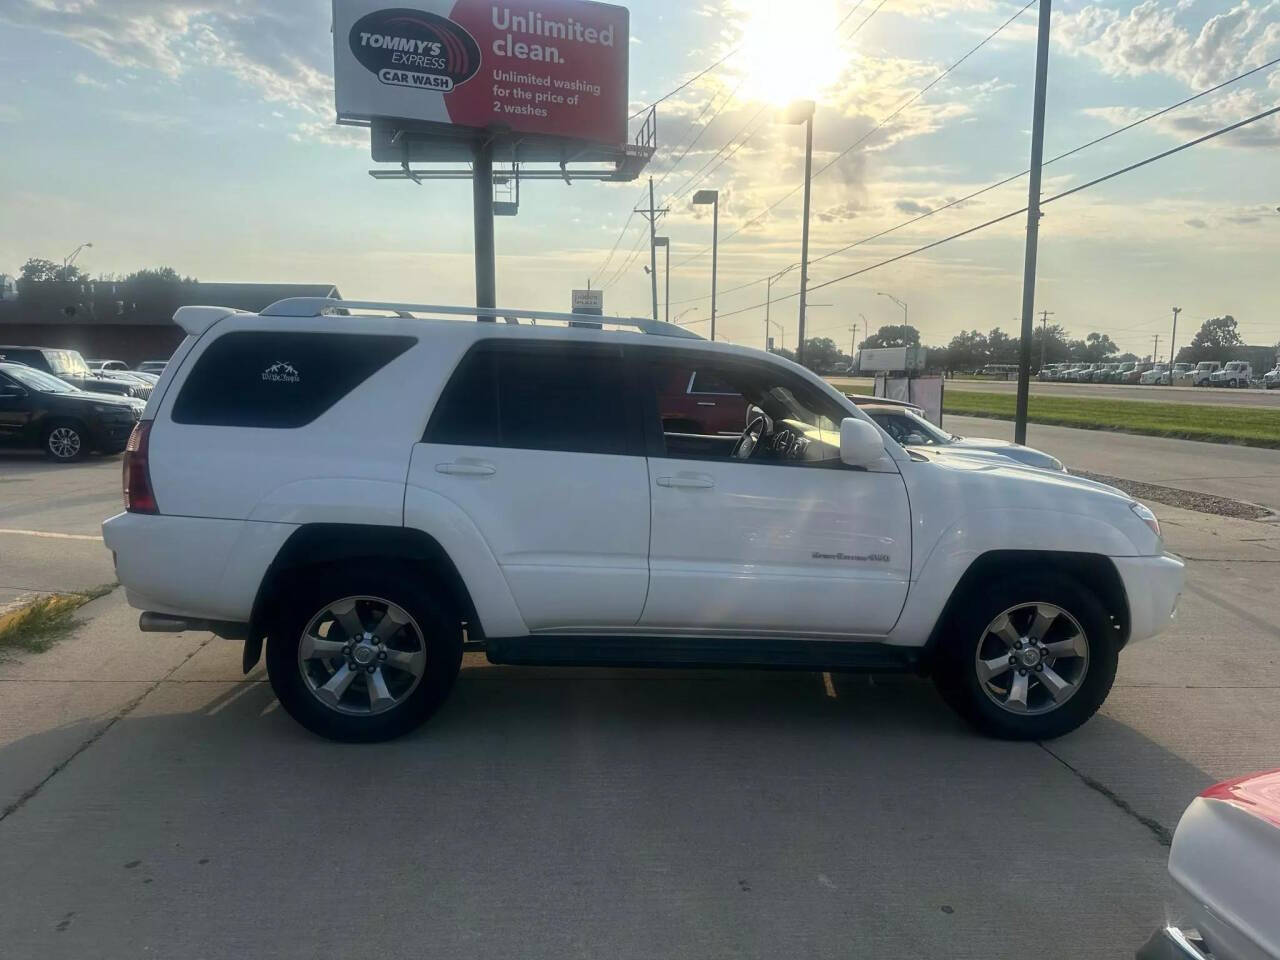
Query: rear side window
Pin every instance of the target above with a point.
(280, 380)
(562, 397)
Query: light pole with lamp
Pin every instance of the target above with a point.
(768, 298)
(901, 303)
(685, 313)
(802, 112)
(701, 198)
(67, 261)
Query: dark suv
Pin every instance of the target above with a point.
(38, 409)
(68, 365)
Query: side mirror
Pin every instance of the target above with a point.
(861, 444)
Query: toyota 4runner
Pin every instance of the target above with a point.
(371, 488)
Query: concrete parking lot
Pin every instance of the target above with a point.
(154, 802)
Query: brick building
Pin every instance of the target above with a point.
(132, 322)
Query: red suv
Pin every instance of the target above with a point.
(701, 403)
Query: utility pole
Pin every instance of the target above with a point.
(1155, 347)
(1044, 332)
(652, 216)
(1033, 223)
(1173, 341)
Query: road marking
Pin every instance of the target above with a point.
(52, 536)
(829, 685)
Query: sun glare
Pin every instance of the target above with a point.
(790, 49)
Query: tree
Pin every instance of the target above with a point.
(1049, 342)
(1216, 339)
(157, 275)
(967, 351)
(1001, 347)
(821, 355)
(1094, 348)
(36, 270)
(893, 335)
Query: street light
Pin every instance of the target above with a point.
(901, 303)
(802, 112)
(666, 272)
(686, 313)
(701, 198)
(71, 258)
(768, 296)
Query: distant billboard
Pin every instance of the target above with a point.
(554, 68)
(590, 302)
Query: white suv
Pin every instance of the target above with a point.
(372, 487)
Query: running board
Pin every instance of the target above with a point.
(695, 652)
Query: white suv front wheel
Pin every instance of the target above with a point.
(363, 653)
(1032, 657)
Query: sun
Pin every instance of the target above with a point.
(790, 49)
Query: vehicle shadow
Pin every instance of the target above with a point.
(554, 812)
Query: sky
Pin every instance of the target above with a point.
(200, 134)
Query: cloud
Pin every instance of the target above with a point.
(1199, 119)
(1197, 222)
(9, 113)
(87, 81)
(280, 50)
(911, 207)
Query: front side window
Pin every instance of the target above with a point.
(757, 413)
(567, 397)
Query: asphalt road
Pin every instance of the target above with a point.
(1118, 391)
(155, 802)
(1240, 473)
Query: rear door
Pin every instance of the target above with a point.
(539, 442)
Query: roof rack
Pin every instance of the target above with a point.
(319, 306)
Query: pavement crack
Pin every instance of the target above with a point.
(1163, 835)
(123, 712)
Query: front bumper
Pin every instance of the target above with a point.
(1152, 586)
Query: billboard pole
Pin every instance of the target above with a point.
(653, 251)
(482, 211)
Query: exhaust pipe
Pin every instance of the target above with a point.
(151, 622)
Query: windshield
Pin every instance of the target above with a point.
(909, 429)
(66, 362)
(38, 379)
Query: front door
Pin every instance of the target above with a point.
(539, 443)
(779, 538)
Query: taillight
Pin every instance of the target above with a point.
(138, 496)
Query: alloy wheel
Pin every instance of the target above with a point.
(1032, 658)
(64, 442)
(362, 655)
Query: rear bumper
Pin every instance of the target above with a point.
(193, 566)
(1152, 586)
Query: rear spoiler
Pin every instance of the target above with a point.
(196, 320)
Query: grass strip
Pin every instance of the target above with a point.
(38, 625)
(1248, 426)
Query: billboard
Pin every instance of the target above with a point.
(555, 68)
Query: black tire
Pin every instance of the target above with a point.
(57, 438)
(956, 676)
(308, 593)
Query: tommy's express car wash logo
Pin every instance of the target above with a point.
(413, 48)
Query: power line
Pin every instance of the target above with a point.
(701, 73)
(862, 139)
(1013, 213)
(1061, 156)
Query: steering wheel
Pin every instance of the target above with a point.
(749, 442)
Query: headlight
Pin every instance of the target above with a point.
(1146, 516)
(106, 408)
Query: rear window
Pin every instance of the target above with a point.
(279, 380)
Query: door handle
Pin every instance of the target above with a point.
(706, 403)
(699, 482)
(464, 469)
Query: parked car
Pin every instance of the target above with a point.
(519, 480)
(1134, 375)
(39, 410)
(1237, 373)
(1156, 374)
(67, 365)
(99, 365)
(1224, 861)
(1203, 372)
(1121, 371)
(911, 429)
(695, 402)
(153, 366)
(1271, 379)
